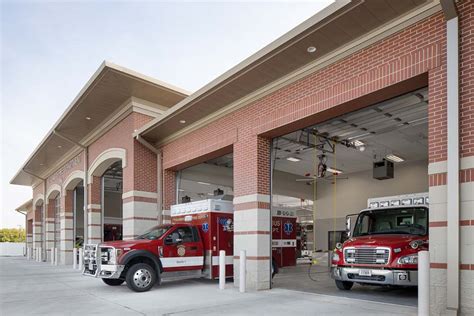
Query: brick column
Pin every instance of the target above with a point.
(50, 207)
(140, 198)
(169, 194)
(252, 220)
(67, 229)
(29, 232)
(139, 212)
(38, 228)
(94, 211)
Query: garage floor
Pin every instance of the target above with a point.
(296, 278)
(29, 288)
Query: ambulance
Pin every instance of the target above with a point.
(187, 248)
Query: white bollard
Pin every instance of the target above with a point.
(55, 256)
(36, 254)
(51, 256)
(74, 258)
(222, 270)
(243, 272)
(40, 254)
(81, 254)
(423, 283)
(28, 253)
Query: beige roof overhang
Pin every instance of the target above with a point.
(106, 91)
(25, 207)
(339, 24)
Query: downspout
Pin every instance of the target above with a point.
(86, 181)
(159, 175)
(452, 47)
(26, 228)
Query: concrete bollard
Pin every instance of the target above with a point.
(55, 256)
(222, 270)
(423, 283)
(243, 271)
(51, 256)
(40, 254)
(74, 258)
(81, 256)
(36, 254)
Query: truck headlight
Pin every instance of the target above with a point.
(411, 259)
(335, 257)
(108, 255)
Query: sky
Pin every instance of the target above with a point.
(50, 49)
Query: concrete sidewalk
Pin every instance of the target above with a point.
(29, 287)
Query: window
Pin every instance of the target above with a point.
(393, 221)
(183, 233)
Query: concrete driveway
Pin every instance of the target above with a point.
(29, 287)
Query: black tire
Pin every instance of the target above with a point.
(113, 282)
(344, 285)
(140, 277)
(274, 269)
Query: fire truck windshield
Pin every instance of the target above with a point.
(407, 220)
(154, 233)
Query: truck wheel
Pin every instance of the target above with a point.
(113, 282)
(140, 277)
(344, 285)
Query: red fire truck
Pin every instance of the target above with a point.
(383, 248)
(189, 247)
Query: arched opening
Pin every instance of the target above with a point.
(111, 201)
(78, 214)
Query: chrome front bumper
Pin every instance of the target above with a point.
(376, 276)
(93, 266)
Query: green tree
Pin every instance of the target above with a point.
(12, 235)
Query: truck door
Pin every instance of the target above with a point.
(182, 250)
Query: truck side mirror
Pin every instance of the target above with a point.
(348, 226)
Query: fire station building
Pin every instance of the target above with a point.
(396, 76)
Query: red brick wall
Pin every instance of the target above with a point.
(120, 136)
(74, 164)
(466, 97)
(416, 50)
(251, 166)
(169, 190)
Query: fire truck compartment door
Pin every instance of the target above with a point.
(184, 253)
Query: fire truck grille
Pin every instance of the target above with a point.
(90, 261)
(366, 255)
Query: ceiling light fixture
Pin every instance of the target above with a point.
(59, 146)
(311, 49)
(88, 118)
(182, 121)
(358, 143)
(394, 158)
(205, 183)
(293, 159)
(332, 170)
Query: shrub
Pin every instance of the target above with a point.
(12, 235)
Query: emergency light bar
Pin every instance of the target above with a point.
(397, 200)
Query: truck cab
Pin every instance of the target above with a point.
(142, 262)
(383, 247)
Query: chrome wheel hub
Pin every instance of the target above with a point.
(142, 278)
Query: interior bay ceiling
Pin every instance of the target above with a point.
(397, 126)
